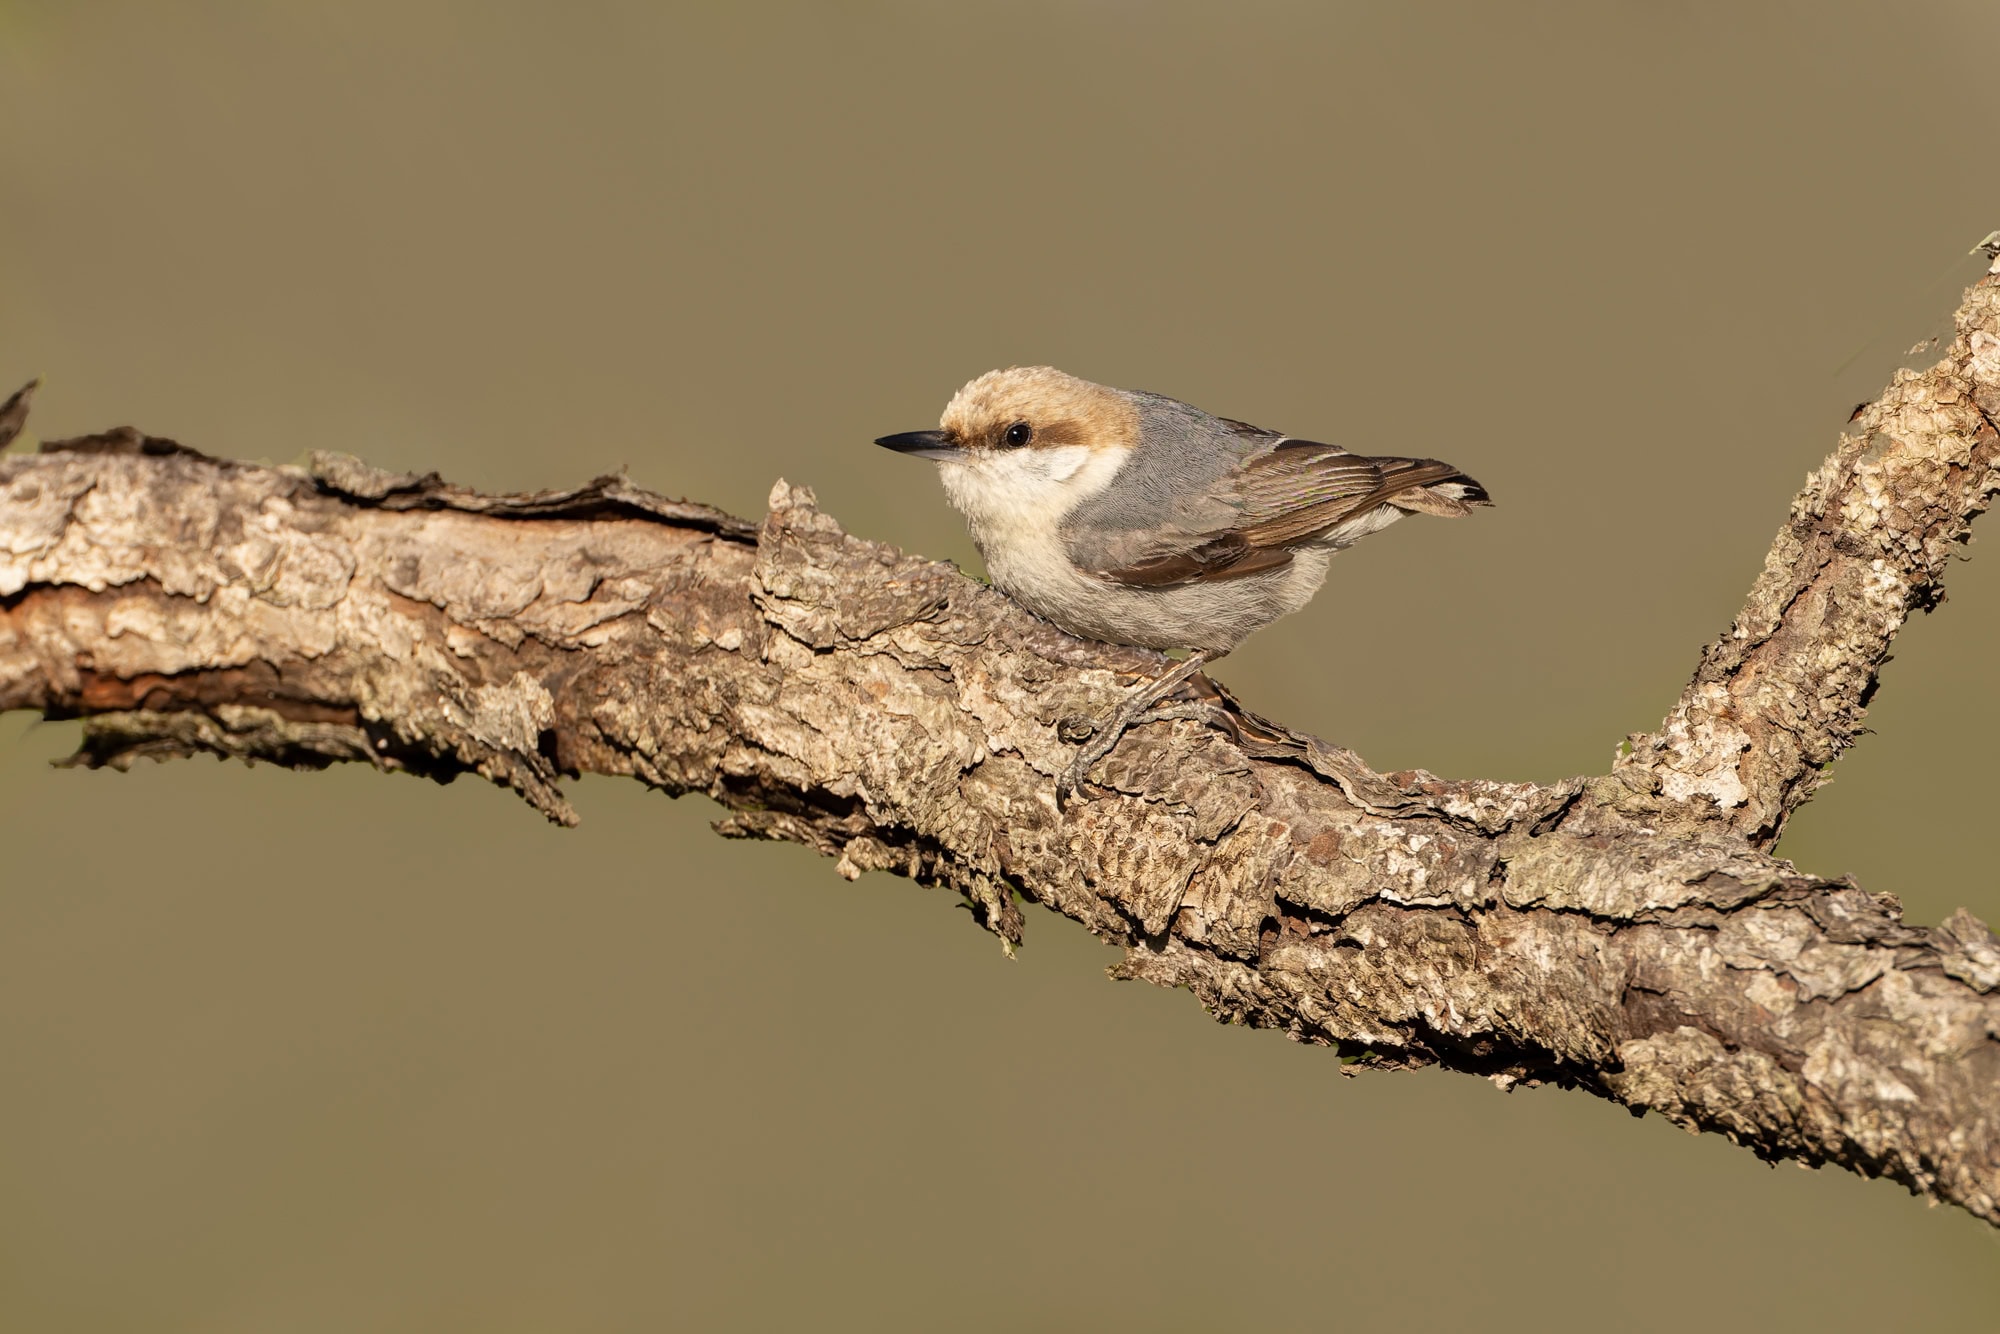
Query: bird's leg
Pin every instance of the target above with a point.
(1137, 708)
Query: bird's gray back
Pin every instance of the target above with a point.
(1168, 493)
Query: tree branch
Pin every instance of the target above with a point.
(1778, 698)
(1626, 934)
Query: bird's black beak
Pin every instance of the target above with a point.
(923, 444)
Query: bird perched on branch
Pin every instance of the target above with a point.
(1138, 519)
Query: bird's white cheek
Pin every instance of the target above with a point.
(1046, 483)
(1060, 465)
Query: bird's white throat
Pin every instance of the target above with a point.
(1022, 494)
(1014, 504)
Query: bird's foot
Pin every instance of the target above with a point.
(1194, 711)
(1099, 739)
(1088, 735)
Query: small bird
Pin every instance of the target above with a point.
(1134, 518)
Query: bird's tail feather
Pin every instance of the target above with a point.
(1426, 486)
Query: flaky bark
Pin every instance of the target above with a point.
(1624, 933)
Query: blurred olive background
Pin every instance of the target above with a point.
(326, 1052)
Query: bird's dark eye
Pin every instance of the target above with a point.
(1020, 433)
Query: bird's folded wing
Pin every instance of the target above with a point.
(1294, 494)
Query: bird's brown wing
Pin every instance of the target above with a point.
(1297, 493)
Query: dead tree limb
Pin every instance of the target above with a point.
(1625, 934)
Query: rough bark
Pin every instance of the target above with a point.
(1625, 933)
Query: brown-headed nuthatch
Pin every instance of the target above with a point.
(1138, 519)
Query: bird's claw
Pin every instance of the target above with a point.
(1076, 729)
(1074, 782)
(1099, 741)
(1070, 785)
(1194, 711)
